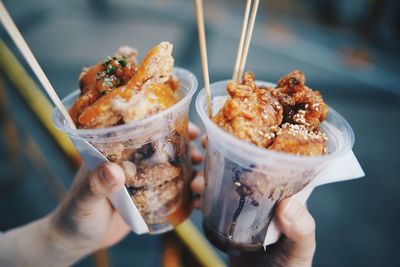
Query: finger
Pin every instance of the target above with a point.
(204, 141)
(197, 203)
(194, 131)
(298, 226)
(195, 156)
(119, 229)
(198, 183)
(101, 183)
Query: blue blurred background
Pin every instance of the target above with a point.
(349, 50)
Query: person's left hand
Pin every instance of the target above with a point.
(86, 219)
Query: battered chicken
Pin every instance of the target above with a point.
(297, 139)
(118, 91)
(301, 104)
(285, 118)
(103, 77)
(251, 113)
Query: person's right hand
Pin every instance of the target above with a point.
(297, 245)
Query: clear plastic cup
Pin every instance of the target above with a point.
(245, 182)
(153, 153)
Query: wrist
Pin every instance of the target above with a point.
(63, 242)
(37, 244)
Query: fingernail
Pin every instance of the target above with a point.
(194, 127)
(197, 154)
(291, 210)
(106, 174)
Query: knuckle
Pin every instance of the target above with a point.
(92, 185)
(305, 228)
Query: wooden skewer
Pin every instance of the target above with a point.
(13, 31)
(248, 38)
(203, 52)
(235, 76)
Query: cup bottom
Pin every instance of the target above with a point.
(156, 229)
(227, 245)
(181, 213)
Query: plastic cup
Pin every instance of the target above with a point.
(245, 182)
(153, 153)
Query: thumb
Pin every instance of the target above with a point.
(298, 226)
(99, 184)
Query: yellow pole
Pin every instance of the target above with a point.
(35, 98)
(40, 105)
(198, 245)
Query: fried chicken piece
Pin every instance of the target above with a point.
(173, 83)
(155, 98)
(285, 118)
(299, 140)
(251, 113)
(301, 104)
(103, 77)
(155, 189)
(156, 68)
(147, 176)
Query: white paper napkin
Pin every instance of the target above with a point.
(343, 168)
(121, 199)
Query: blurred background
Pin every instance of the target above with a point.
(349, 50)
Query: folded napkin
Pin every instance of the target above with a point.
(120, 199)
(346, 167)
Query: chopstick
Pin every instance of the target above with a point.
(203, 52)
(242, 54)
(19, 41)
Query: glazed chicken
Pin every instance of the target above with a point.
(119, 91)
(285, 118)
(301, 104)
(251, 113)
(103, 77)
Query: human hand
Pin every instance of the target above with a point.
(296, 247)
(86, 220)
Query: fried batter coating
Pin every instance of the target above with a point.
(103, 77)
(155, 98)
(146, 84)
(299, 140)
(285, 118)
(301, 104)
(251, 113)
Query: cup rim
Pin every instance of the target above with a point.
(60, 124)
(264, 152)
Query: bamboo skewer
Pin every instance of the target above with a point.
(248, 37)
(16, 36)
(203, 52)
(235, 76)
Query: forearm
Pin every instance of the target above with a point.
(37, 244)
